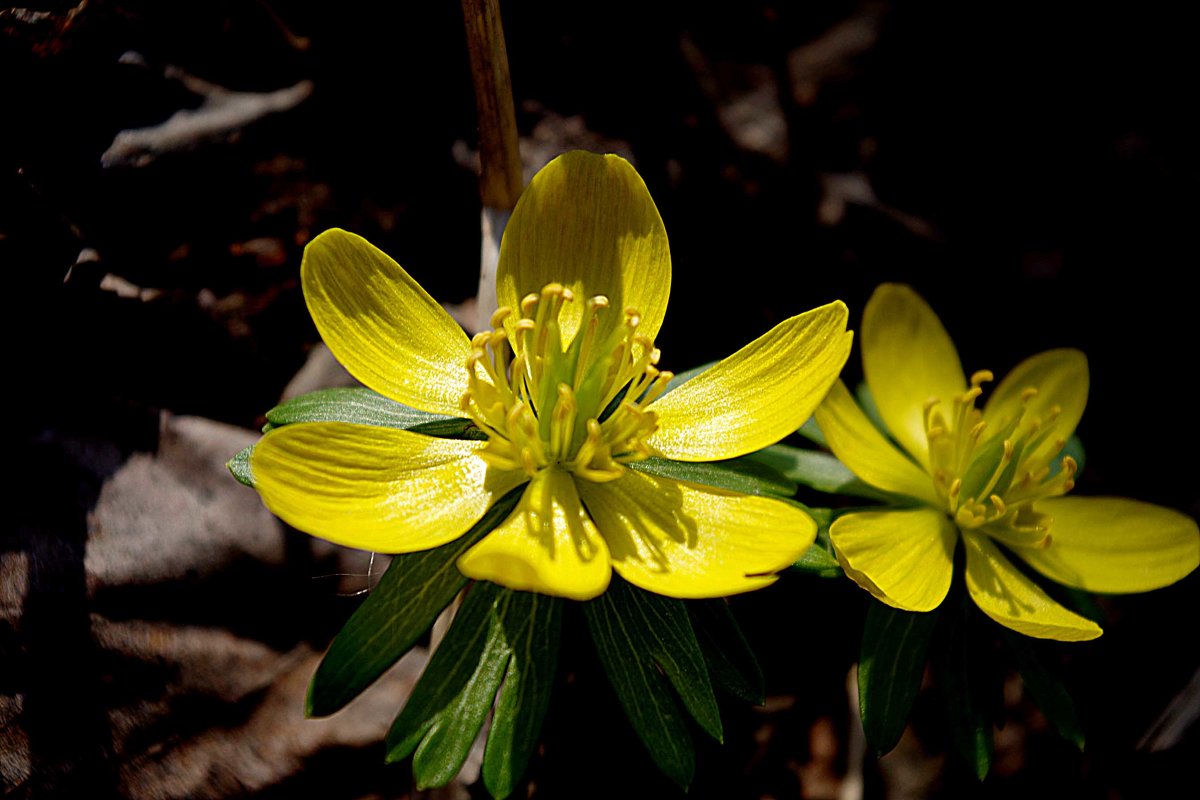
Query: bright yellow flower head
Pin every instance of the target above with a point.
(566, 388)
(987, 477)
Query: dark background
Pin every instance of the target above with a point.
(1029, 168)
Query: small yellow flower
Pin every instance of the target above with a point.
(566, 388)
(987, 478)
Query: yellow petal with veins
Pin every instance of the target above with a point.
(587, 221)
(759, 394)
(903, 557)
(684, 540)
(1008, 597)
(866, 452)
(547, 545)
(382, 326)
(1112, 544)
(908, 358)
(380, 489)
(1061, 380)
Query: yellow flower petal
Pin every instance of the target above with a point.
(1111, 544)
(1061, 378)
(908, 358)
(380, 489)
(587, 221)
(759, 394)
(1011, 599)
(903, 557)
(685, 540)
(382, 326)
(866, 452)
(547, 545)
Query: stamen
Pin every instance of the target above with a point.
(982, 376)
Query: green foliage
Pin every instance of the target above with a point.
(745, 475)
(645, 641)
(499, 636)
(413, 591)
(363, 407)
(730, 661)
(1045, 687)
(890, 668)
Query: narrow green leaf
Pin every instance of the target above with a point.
(455, 692)
(890, 667)
(531, 626)
(413, 591)
(819, 562)
(364, 407)
(812, 431)
(744, 475)
(816, 470)
(636, 635)
(960, 667)
(1045, 687)
(730, 661)
(239, 466)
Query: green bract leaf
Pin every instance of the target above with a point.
(731, 662)
(455, 692)
(816, 470)
(960, 671)
(239, 466)
(642, 638)
(818, 561)
(364, 407)
(890, 667)
(744, 475)
(413, 591)
(531, 626)
(812, 431)
(1045, 687)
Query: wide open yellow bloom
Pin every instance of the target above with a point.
(566, 388)
(991, 477)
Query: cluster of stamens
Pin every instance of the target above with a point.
(582, 408)
(991, 476)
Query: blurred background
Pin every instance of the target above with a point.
(1029, 168)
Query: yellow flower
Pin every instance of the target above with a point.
(566, 389)
(987, 478)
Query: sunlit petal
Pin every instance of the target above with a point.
(587, 221)
(866, 452)
(1016, 602)
(380, 489)
(1061, 380)
(759, 394)
(685, 540)
(908, 358)
(382, 326)
(903, 557)
(547, 545)
(1111, 544)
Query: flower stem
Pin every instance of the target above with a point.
(500, 180)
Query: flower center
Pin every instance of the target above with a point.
(990, 474)
(581, 408)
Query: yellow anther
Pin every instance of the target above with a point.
(998, 504)
(499, 315)
(955, 487)
(928, 405)
(935, 432)
(978, 430)
(969, 395)
(1028, 394)
(528, 305)
(1008, 450)
(982, 376)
